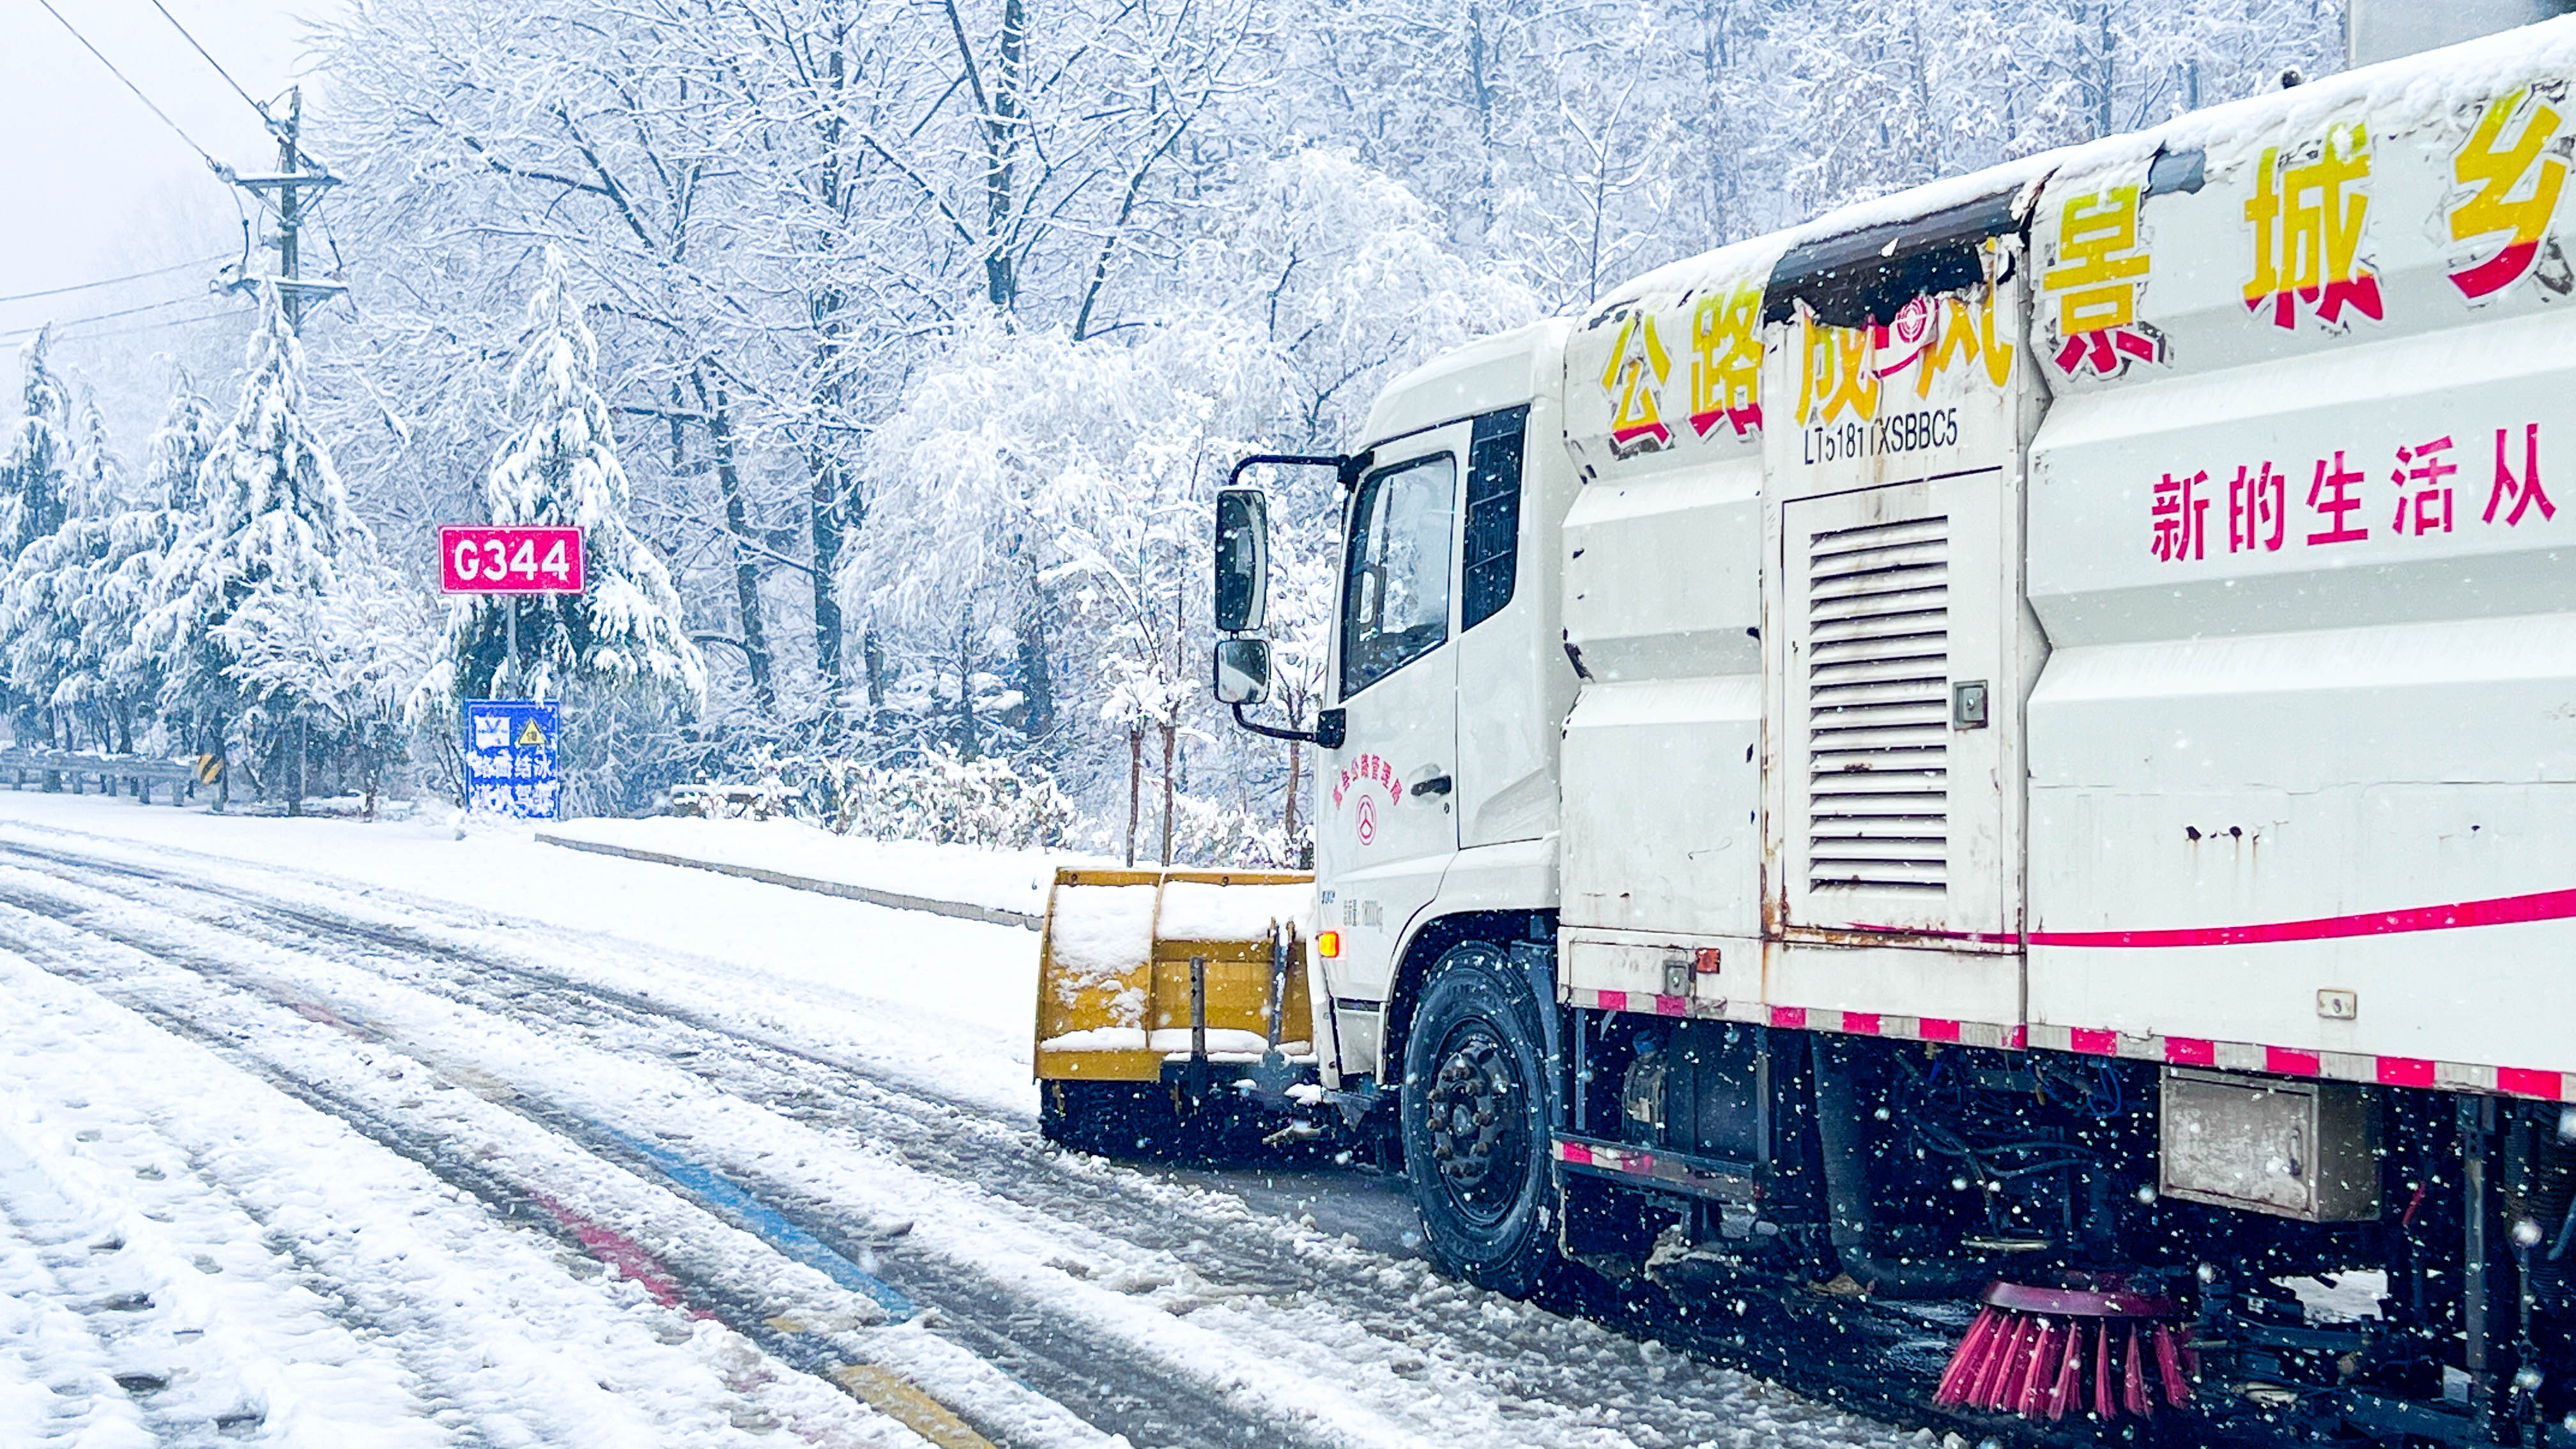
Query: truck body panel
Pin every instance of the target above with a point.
(2246, 738)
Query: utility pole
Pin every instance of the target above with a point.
(290, 181)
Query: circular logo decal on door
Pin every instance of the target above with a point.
(1364, 781)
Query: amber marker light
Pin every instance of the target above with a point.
(1328, 944)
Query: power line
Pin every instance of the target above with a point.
(158, 326)
(112, 281)
(129, 85)
(210, 60)
(105, 316)
(266, 118)
(129, 331)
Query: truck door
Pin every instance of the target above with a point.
(1389, 794)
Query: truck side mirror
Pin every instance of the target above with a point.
(1242, 670)
(1242, 568)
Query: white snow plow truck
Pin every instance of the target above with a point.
(2003, 762)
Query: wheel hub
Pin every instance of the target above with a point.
(1478, 1120)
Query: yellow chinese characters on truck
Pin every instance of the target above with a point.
(2101, 264)
(1863, 391)
(2510, 192)
(2307, 216)
(1634, 379)
(1678, 363)
(1726, 360)
(2316, 218)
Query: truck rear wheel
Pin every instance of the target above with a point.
(1475, 1128)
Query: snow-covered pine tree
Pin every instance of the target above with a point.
(46, 591)
(35, 470)
(560, 467)
(172, 485)
(34, 475)
(273, 514)
(139, 538)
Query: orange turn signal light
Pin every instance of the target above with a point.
(1328, 944)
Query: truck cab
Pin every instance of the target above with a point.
(1427, 812)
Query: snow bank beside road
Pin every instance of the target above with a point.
(1006, 880)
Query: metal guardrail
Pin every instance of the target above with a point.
(962, 910)
(136, 772)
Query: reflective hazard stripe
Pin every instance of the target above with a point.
(2367, 1067)
(2186, 1051)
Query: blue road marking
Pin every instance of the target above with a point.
(765, 1223)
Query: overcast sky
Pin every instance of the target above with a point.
(98, 186)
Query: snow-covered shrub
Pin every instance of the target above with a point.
(1206, 832)
(326, 670)
(950, 800)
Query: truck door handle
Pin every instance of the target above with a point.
(1436, 785)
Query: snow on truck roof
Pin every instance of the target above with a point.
(1496, 371)
(1857, 243)
(2398, 95)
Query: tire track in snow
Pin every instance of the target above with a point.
(1633, 1386)
(1150, 1402)
(1427, 1319)
(505, 1347)
(789, 1339)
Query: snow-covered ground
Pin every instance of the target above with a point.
(331, 1133)
(1009, 880)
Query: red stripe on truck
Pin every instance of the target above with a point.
(2405, 1072)
(2190, 1051)
(2497, 911)
(2523, 1082)
(2292, 1063)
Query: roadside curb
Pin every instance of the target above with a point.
(962, 910)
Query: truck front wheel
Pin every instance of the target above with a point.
(1475, 1132)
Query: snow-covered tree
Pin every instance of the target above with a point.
(334, 669)
(1023, 455)
(823, 244)
(35, 476)
(560, 467)
(139, 537)
(273, 515)
(35, 469)
(47, 595)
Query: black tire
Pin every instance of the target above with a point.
(1475, 1123)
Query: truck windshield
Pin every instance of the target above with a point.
(1395, 592)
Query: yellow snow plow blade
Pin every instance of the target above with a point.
(1140, 967)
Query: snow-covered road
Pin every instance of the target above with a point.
(477, 1142)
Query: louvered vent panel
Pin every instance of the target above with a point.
(1878, 707)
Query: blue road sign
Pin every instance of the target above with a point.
(510, 759)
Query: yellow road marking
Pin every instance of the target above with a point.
(903, 1401)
